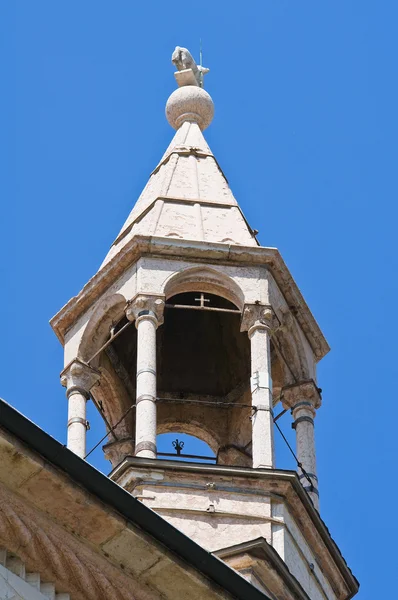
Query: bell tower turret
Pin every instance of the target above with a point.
(191, 326)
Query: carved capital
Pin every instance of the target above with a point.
(305, 394)
(118, 450)
(79, 376)
(148, 306)
(257, 316)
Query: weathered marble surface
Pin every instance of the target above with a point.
(80, 545)
(220, 506)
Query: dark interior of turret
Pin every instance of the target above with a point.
(200, 350)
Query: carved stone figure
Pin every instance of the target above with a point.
(183, 60)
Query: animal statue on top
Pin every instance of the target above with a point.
(183, 60)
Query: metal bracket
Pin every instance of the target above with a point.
(79, 420)
(260, 407)
(145, 397)
(300, 420)
(264, 407)
(311, 489)
(310, 475)
(148, 370)
(260, 380)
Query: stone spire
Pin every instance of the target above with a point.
(187, 196)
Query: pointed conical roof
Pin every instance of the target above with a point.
(187, 196)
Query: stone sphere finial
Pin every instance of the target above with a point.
(190, 103)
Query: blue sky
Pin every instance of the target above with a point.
(306, 132)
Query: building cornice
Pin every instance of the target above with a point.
(208, 252)
(260, 548)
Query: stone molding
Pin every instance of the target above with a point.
(74, 389)
(150, 306)
(211, 282)
(51, 550)
(257, 316)
(282, 485)
(305, 394)
(79, 377)
(260, 558)
(214, 252)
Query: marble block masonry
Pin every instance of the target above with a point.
(191, 326)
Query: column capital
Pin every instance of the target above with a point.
(257, 316)
(305, 394)
(150, 306)
(78, 376)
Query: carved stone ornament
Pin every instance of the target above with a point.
(306, 391)
(79, 375)
(118, 450)
(55, 553)
(146, 305)
(190, 102)
(257, 316)
(188, 72)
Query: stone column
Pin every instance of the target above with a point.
(78, 378)
(303, 399)
(147, 311)
(257, 320)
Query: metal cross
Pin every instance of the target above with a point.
(202, 300)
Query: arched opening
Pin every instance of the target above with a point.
(108, 312)
(183, 447)
(209, 280)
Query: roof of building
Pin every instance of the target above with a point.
(116, 500)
